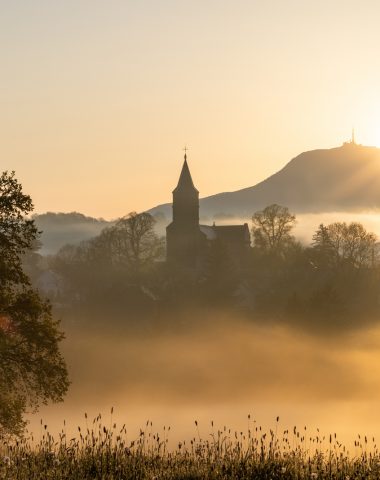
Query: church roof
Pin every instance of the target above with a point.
(185, 181)
(209, 231)
(232, 233)
(227, 233)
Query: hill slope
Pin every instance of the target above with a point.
(58, 229)
(345, 178)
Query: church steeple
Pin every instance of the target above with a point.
(186, 199)
(183, 235)
(185, 181)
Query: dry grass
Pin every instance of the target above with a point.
(100, 452)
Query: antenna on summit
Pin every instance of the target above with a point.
(352, 140)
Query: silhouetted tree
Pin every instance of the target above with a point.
(133, 242)
(321, 253)
(107, 269)
(342, 244)
(271, 228)
(32, 370)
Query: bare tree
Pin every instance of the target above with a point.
(271, 228)
(348, 244)
(133, 241)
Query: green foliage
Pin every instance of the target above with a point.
(32, 371)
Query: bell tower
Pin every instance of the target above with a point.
(183, 236)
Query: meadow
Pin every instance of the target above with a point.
(101, 451)
(223, 369)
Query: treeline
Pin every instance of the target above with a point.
(332, 281)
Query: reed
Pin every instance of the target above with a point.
(107, 452)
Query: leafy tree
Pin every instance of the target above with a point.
(32, 370)
(271, 228)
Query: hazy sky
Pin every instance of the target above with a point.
(98, 98)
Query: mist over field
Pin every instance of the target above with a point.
(175, 366)
(220, 367)
(220, 364)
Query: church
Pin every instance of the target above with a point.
(187, 241)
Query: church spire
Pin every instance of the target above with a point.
(185, 182)
(353, 137)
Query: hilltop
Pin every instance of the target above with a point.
(345, 178)
(59, 229)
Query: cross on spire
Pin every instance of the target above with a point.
(185, 150)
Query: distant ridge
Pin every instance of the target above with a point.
(58, 229)
(345, 178)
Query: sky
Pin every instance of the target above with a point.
(98, 98)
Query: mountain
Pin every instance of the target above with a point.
(345, 178)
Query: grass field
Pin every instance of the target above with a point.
(107, 452)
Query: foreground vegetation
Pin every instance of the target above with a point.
(101, 452)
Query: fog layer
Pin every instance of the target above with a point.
(222, 371)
